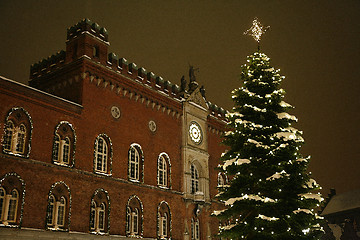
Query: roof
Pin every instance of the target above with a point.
(343, 202)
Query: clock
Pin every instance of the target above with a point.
(195, 132)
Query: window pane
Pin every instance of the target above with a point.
(56, 148)
(20, 143)
(8, 136)
(66, 152)
(50, 211)
(61, 212)
(12, 209)
(92, 215)
(101, 219)
(128, 219)
(2, 200)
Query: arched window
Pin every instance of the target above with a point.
(194, 179)
(102, 157)
(163, 221)
(17, 132)
(135, 163)
(12, 188)
(134, 217)
(64, 144)
(195, 229)
(99, 211)
(58, 210)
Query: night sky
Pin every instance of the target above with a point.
(316, 44)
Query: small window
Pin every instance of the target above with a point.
(64, 144)
(194, 179)
(96, 52)
(92, 215)
(17, 133)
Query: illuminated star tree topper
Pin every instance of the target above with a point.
(256, 31)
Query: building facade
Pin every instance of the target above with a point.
(96, 145)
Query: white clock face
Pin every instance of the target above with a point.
(195, 132)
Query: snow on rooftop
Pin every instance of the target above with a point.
(343, 202)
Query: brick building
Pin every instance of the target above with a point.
(98, 146)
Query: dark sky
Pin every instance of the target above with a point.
(316, 44)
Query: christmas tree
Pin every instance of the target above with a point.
(270, 193)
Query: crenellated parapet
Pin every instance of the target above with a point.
(87, 48)
(217, 111)
(86, 25)
(48, 64)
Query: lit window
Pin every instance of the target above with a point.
(17, 132)
(64, 144)
(9, 205)
(101, 155)
(135, 162)
(162, 171)
(194, 179)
